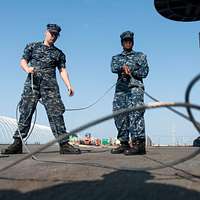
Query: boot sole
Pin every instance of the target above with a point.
(134, 154)
(4, 152)
(65, 152)
(117, 152)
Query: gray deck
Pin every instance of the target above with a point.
(97, 174)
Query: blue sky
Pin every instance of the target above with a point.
(89, 38)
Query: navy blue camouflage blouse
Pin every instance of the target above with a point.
(41, 56)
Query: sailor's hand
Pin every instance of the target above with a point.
(30, 70)
(126, 70)
(71, 91)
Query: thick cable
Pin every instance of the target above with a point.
(167, 106)
(187, 100)
(171, 109)
(177, 112)
(105, 118)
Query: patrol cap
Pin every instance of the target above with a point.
(127, 35)
(54, 28)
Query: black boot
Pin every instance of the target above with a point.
(69, 149)
(15, 148)
(124, 146)
(138, 148)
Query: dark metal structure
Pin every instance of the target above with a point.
(196, 142)
(179, 10)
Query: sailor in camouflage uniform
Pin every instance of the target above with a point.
(131, 67)
(40, 60)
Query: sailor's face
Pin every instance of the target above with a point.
(51, 37)
(127, 44)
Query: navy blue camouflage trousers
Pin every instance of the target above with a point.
(46, 89)
(131, 124)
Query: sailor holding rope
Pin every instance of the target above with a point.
(40, 60)
(131, 67)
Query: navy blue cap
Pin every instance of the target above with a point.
(127, 35)
(54, 28)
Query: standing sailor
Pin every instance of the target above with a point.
(131, 67)
(40, 60)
